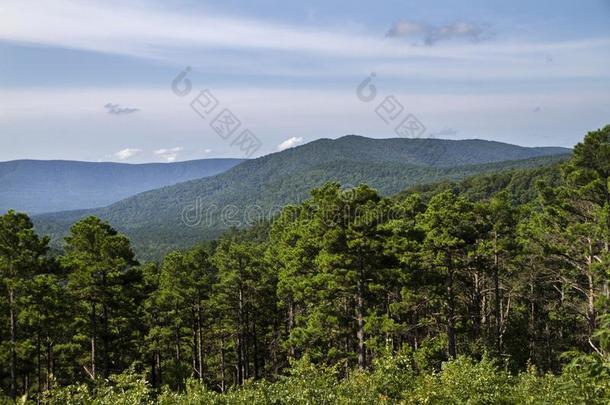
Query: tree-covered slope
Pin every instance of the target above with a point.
(37, 186)
(420, 152)
(519, 183)
(180, 215)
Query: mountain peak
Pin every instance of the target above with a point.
(263, 185)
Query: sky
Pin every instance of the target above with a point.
(100, 80)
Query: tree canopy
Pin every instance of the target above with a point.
(482, 292)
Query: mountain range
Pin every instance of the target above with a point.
(36, 186)
(179, 215)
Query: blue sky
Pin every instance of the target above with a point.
(91, 80)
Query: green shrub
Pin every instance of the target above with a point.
(392, 380)
(463, 381)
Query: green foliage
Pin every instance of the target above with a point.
(392, 380)
(586, 380)
(100, 280)
(260, 187)
(125, 388)
(348, 297)
(464, 382)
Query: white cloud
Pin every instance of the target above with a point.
(127, 29)
(169, 154)
(126, 153)
(175, 37)
(207, 150)
(405, 28)
(277, 113)
(290, 142)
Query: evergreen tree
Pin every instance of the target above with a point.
(22, 255)
(98, 259)
(451, 234)
(43, 316)
(245, 295)
(573, 229)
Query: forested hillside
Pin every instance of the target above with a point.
(36, 186)
(493, 290)
(174, 217)
(520, 183)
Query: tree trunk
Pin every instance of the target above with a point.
(200, 343)
(106, 343)
(106, 329)
(177, 342)
(451, 345)
(360, 318)
(291, 350)
(49, 366)
(531, 321)
(194, 346)
(241, 344)
(274, 351)
(478, 304)
(255, 353)
(591, 313)
(240, 368)
(13, 320)
(157, 354)
(159, 369)
(39, 365)
(223, 384)
(497, 309)
(93, 340)
(153, 370)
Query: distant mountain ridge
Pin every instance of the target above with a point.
(154, 219)
(37, 186)
(428, 151)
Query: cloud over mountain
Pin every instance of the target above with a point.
(168, 154)
(126, 153)
(290, 142)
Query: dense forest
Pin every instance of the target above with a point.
(487, 291)
(155, 222)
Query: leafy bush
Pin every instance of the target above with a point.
(463, 381)
(393, 380)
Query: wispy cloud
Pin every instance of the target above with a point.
(116, 109)
(431, 34)
(169, 154)
(290, 142)
(335, 112)
(152, 31)
(126, 153)
(163, 33)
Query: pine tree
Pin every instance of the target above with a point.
(450, 225)
(22, 255)
(97, 258)
(498, 222)
(242, 291)
(573, 229)
(44, 310)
